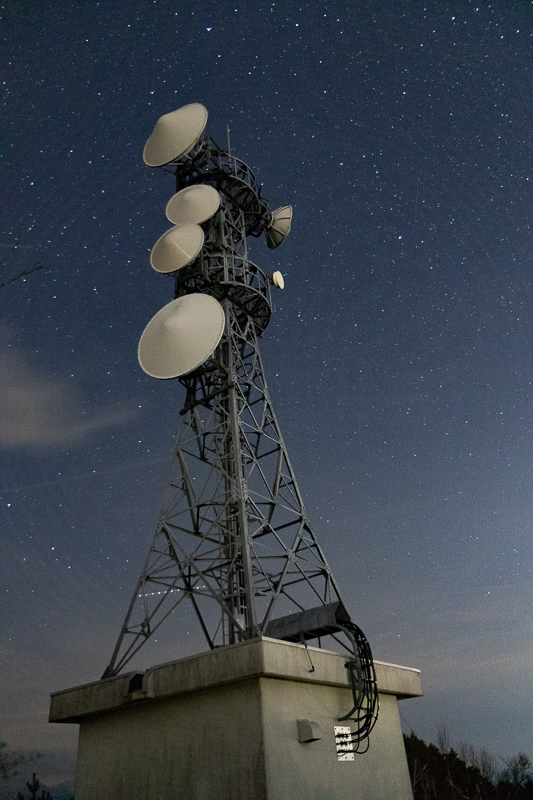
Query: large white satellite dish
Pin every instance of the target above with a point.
(175, 134)
(279, 227)
(181, 336)
(177, 247)
(193, 204)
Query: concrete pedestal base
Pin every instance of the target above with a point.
(223, 725)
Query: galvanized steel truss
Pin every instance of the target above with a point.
(233, 538)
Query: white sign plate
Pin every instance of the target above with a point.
(343, 743)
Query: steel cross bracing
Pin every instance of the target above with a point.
(233, 539)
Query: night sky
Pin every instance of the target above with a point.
(398, 359)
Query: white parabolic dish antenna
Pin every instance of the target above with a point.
(181, 336)
(280, 226)
(177, 247)
(193, 204)
(175, 134)
(277, 280)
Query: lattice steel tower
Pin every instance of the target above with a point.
(233, 538)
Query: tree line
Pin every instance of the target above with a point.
(440, 772)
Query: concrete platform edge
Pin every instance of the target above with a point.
(256, 658)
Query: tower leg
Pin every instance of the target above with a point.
(234, 539)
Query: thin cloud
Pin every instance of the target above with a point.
(38, 410)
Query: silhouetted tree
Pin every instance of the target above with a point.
(516, 780)
(440, 773)
(34, 787)
(10, 760)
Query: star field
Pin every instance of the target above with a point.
(398, 359)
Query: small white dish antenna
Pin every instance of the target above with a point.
(175, 135)
(193, 204)
(177, 247)
(181, 336)
(279, 227)
(277, 280)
